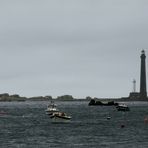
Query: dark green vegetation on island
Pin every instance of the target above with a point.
(40, 98)
(16, 97)
(65, 98)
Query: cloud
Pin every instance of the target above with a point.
(78, 47)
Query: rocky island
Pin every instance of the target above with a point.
(15, 97)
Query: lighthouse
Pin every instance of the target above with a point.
(143, 92)
(142, 95)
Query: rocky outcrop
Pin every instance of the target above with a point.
(97, 102)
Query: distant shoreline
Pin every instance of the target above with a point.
(8, 98)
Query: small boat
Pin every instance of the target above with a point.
(60, 117)
(51, 108)
(108, 118)
(122, 107)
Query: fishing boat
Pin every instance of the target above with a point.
(122, 107)
(60, 117)
(51, 108)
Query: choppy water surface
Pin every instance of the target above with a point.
(27, 126)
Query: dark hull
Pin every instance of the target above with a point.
(120, 108)
(110, 103)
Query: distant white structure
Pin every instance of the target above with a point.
(134, 85)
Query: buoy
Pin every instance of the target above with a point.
(108, 118)
(122, 126)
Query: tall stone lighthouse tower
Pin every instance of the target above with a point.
(143, 92)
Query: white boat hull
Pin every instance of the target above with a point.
(60, 117)
(51, 112)
(59, 120)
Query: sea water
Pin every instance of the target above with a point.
(26, 125)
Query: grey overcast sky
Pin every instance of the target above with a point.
(76, 47)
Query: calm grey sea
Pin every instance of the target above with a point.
(25, 125)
